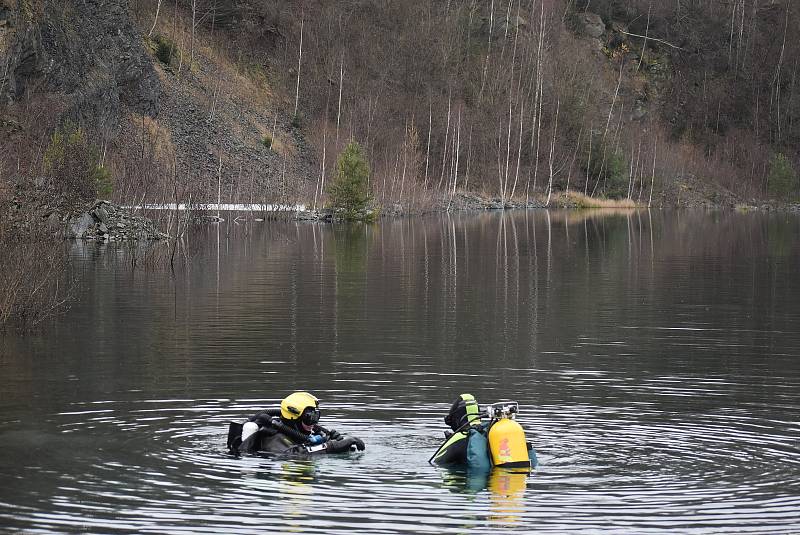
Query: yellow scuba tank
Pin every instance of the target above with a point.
(507, 444)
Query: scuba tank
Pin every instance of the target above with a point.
(507, 443)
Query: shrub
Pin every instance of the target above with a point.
(267, 140)
(165, 49)
(608, 166)
(35, 281)
(73, 165)
(616, 179)
(104, 181)
(782, 179)
(296, 121)
(350, 191)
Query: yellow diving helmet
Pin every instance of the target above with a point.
(300, 404)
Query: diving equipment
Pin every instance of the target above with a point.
(464, 418)
(507, 442)
(499, 442)
(344, 444)
(248, 429)
(270, 431)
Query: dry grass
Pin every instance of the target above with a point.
(281, 144)
(155, 134)
(218, 74)
(580, 200)
(214, 66)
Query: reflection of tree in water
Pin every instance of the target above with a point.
(780, 237)
(351, 249)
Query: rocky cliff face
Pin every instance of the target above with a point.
(87, 51)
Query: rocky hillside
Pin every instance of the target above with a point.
(163, 125)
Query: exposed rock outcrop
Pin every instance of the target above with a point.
(88, 51)
(35, 210)
(108, 222)
(590, 24)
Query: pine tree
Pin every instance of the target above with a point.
(350, 189)
(782, 180)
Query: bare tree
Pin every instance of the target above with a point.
(428, 150)
(552, 149)
(194, 27)
(155, 19)
(339, 111)
(299, 64)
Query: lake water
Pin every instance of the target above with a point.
(655, 357)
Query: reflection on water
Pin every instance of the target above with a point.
(506, 495)
(506, 490)
(654, 356)
(296, 493)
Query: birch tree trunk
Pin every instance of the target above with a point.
(488, 52)
(458, 151)
(428, 150)
(155, 19)
(446, 134)
(339, 112)
(552, 149)
(194, 25)
(589, 160)
(219, 186)
(299, 64)
(653, 177)
(646, 33)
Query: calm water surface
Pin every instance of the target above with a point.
(656, 359)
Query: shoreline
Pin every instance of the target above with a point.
(105, 221)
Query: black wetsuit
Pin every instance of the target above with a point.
(271, 441)
(278, 436)
(274, 436)
(454, 450)
(464, 413)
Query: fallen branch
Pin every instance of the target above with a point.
(650, 39)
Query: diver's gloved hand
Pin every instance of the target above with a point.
(344, 444)
(333, 434)
(358, 443)
(315, 439)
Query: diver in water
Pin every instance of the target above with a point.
(478, 445)
(464, 414)
(292, 430)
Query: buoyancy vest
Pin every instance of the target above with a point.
(478, 449)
